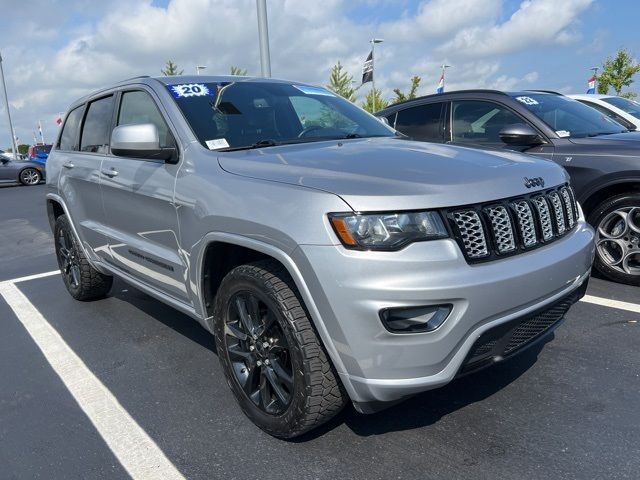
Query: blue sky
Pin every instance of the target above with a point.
(58, 50)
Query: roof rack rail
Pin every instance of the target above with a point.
(431, 95)
(544, 91)
(133, 78)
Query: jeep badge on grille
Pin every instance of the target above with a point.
(533, 182)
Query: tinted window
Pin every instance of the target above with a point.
(610, 114)
(69, 137)
(478, 122)
(568, 117)
(423, 122)
(624, 104)
(138, 107)
(95, 131)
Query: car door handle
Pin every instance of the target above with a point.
(110, 173)
(68, 165)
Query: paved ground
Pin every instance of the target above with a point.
(572, 414)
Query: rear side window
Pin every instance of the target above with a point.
(69, 137)
(97, 123)
(138, 107)
(423, 122)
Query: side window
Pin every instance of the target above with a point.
(95, 131)
(312, 112)
(69, 136)
(479, 122)
(138, 107)
(423, 122)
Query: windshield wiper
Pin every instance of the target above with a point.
(258, 144)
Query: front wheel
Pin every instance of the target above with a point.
(617, 224)
(271, 355)
(30, 176)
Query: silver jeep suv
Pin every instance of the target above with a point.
(332, 258)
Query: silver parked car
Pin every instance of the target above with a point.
(332, 259)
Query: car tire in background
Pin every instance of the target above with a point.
(30, 176)
(271, 355)
(617, 224)
(83, 281)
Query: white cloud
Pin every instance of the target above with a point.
(85, 45)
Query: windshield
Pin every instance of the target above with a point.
(568, 117)
(624, 104)
(233, 115)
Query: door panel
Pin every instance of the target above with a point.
(80, 181)
(141, 219)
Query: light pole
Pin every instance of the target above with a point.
(200, 67)
(263, 37)
(6, 100)
(373, 42)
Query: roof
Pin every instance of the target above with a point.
(587, 96)
(218, 78)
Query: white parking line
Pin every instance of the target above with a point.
(605, 302)
(137, 452)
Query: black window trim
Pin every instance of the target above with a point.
(102, 96)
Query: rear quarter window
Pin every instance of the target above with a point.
(69, 136)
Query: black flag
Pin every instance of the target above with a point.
(367, 69)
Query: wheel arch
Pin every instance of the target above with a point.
(617, 187)
(244, 249)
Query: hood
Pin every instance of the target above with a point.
(374, 174)
(619, 143)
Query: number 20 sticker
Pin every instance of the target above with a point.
(189, 90)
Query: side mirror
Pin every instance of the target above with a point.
(140, 141)
(520, 134)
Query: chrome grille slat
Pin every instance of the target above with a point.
(502, 229)
(473, 237)
(542, 207)
(558, 212)
(512, 225)
(566, 197)
(525, 221)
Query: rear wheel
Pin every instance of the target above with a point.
(83, 281)
(273, 360)
(617, 224)
(30, 176)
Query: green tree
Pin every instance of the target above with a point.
(237, 71)
(171, 69)
(372, 106)
(341, 83)
(23, 148)
(401, 96)
(618, 72)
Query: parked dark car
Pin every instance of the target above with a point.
(24, 172)
(601, 156)
(39, 153)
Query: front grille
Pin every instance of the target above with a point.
(513, 225)
(506, 339)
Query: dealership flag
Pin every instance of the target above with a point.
(58, 119)
(440, 88)
(40, 132)
(367, 69)
(592, 85)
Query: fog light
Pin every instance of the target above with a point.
(414, 319)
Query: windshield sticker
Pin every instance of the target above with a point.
(527, 100)
(190, 90)
(313, 90)
(217, 144)
(563, 133)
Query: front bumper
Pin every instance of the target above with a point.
(349, 288)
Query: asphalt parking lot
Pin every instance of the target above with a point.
(572, 414)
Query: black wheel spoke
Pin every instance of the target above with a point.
(276, 386)
(283, 376)
(237, 353)
(235, 332)
(265, 396)
(250, 381)
(75, 275)
(241, 306)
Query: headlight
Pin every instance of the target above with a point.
(386, 231)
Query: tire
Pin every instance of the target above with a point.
(285, 351)
(83, 282)
(617, 224)
(30, 176)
